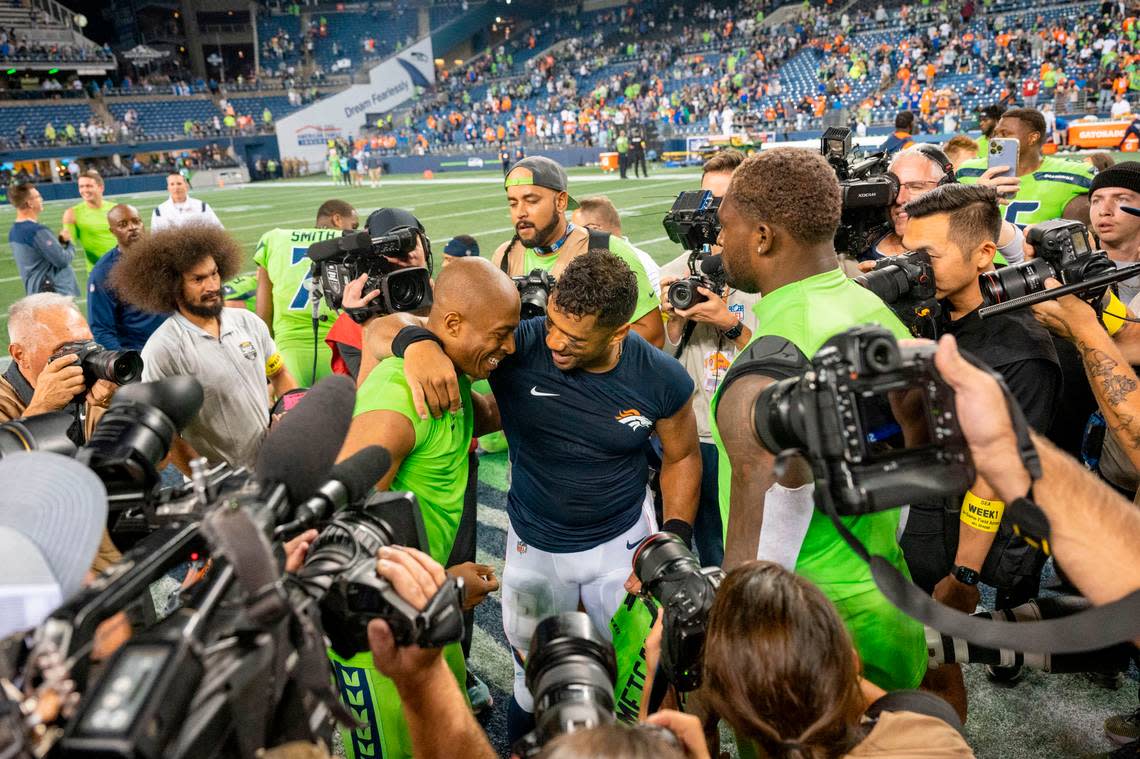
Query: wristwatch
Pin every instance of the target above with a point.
(965, 575)
(734, 331)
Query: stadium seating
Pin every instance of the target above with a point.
(35, 117)
(165, 117)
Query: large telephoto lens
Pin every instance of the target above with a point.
(658, 555)
(1017, 281)
(890, 283)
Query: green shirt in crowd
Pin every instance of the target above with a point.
(1044, 193)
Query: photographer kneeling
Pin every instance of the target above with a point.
(759, 678)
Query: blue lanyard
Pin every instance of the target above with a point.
(554, 248)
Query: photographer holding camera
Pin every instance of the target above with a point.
(779, 220)
(763, 620)
(919, 169)
(228, 350)
(947, 547)
(705, 338)
(538, 201)
(284, 291)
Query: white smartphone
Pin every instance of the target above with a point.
(1003, 152)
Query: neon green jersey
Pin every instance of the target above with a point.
(891, 645)
(1044, 193)
(436, 468)
(92, 231)
(646, 296)
(281, 252)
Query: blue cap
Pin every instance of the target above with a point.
(461, 248)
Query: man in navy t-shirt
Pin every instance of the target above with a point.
(116, 324)
(578, 399)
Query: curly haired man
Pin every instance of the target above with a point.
(229, 351)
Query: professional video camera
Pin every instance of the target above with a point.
(338, 261)
(906, 284)
(672, 576)
(99, 363)
(692, 221)
(534, 292)
(868, 191)
(705, 271)
(241, 666)
(1062, 251)
(837, 415)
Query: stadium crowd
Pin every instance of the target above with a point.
(628, 409)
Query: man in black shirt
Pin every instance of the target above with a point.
(947, 549)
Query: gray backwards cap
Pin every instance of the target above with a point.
(544, 172)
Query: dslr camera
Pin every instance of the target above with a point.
(906, 284)
(673, 577)
(1064, 252)
(692, 221)
(338, 261)
(867, 188)
(838, 415)
(534, 292)
(704, 271)
(98, 363)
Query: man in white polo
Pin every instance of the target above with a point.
(180, 209)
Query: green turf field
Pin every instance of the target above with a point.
(452, 204)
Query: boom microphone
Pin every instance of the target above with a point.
(302, 447)
(712, 266)
(348, 483)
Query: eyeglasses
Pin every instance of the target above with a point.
(914, 188)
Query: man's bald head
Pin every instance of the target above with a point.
(126, 225)
(475, 311)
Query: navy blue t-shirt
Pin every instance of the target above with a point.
(577, 438)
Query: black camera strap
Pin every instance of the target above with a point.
(1095, 628)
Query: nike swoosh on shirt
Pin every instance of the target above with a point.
(633, 545)
(538, 393)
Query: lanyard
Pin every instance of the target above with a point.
(554, 248)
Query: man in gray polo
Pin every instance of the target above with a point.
(228, 350)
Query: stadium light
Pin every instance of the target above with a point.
(498, 19)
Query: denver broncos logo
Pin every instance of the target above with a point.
(633, 419)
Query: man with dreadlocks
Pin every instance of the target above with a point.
(228, 350)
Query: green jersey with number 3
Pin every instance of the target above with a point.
(1044, 193)
(281, 252)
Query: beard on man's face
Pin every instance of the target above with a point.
(205, 307)
(538, 235)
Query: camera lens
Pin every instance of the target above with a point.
(533, 300)
(119, 367)
(656, 554)
(890, 283)
(407, 289)
(570, 670)
(779, 416)
(684, 294)
(1015, 281)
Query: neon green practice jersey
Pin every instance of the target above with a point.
(281, 252)
(1044, 193)
(891, 645)
(92, 232)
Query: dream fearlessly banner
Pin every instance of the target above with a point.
(305, 134)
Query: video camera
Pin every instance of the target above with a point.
(1064, 252)
(672, 576)
(867, 188)
(338, 261)
(534, 292)
(692, 221)
(242, 664)
(906, 284)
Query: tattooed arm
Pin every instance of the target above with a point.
(1112, 379)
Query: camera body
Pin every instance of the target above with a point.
(670, 573)
(338, 261)
(906, 284)
(704, 271)
(838, 415)
(98, 363)
(534, 292)
(1063, 252)
(867, 188)
(692, 221)
(340, 570)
